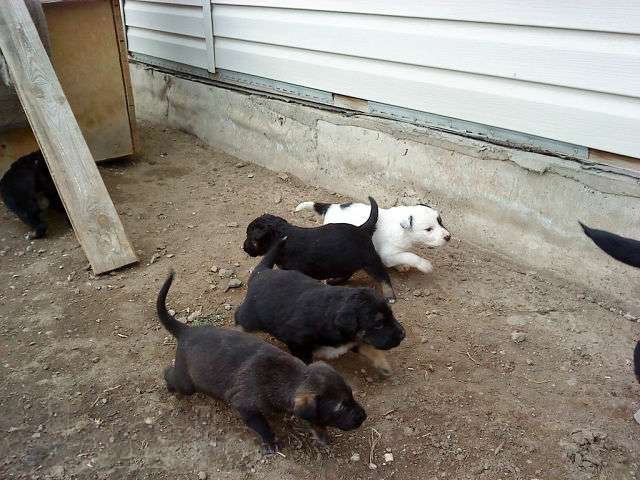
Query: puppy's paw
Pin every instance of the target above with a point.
(270, 448)
(321, 436)
(384, 370)
(425, 267)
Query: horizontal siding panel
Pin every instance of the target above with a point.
(181, 19)
(603, 121)
(588, 60)
(169, 46)
(621, 16)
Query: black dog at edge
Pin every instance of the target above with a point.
(27, 190)
(625, 250)
(332, 252)
(256, 378)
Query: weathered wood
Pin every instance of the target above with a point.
(85, 197)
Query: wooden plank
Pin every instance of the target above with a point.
(86, 57)
(622, 16)
(85, 197)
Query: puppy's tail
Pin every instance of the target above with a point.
(370, 225)
(625, 250)
(319, 207)
(636, 361)
(269, 260)
(173, 326)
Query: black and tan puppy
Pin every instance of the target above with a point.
(331, 252)
(256, 378)
(27, 190)
(317, 319)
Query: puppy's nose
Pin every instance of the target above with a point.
(447, 237)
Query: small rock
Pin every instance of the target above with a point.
(154, 257)
(95, 359)
(283, 176)
(636, 417)
(227, 306)
(193, 315)
(224, 273)
(170, 255)
(148, 421)
(36, 435)
(628, 316)
(241, 165)
(202, 475)
(214, 269)
(172, 312)
(233, 224)
(250, 175)
(373, 466)
(355, 457)
(417, 293)
(234, 283)
(277, 199)
(529, 361)
(388, 457)
(518, 337)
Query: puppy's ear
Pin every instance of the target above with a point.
(304, 406)
(407, 223)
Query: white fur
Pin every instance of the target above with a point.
(395, 233)
(329, 353)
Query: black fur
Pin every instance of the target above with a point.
(346, 205)
(256, 378)
(625, 250)
(24, 186)
(321, 208)
(306, 314)
(334, 251)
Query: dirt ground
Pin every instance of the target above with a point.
(82, 394)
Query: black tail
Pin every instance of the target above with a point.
(636, 361)
(269, 260)
(625, 250)
(370, 225)
(173, 326)
(321, 208)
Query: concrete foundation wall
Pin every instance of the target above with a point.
(520, 204)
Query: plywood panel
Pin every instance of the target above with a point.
(85, 54)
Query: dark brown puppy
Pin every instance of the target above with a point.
(256, 378)
(315, 319)
(331, 252)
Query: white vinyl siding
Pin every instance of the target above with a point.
(545, 68)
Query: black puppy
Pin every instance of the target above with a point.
(27, 190)
(314, 318)
(256, 378)
(625, 250)
(331, 252)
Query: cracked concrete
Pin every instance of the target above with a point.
(520, 204)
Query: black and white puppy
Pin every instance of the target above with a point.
(27, 190)
(398, 230)
(625, 250)
(330, 252)
(314, 319)
(256, 378)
